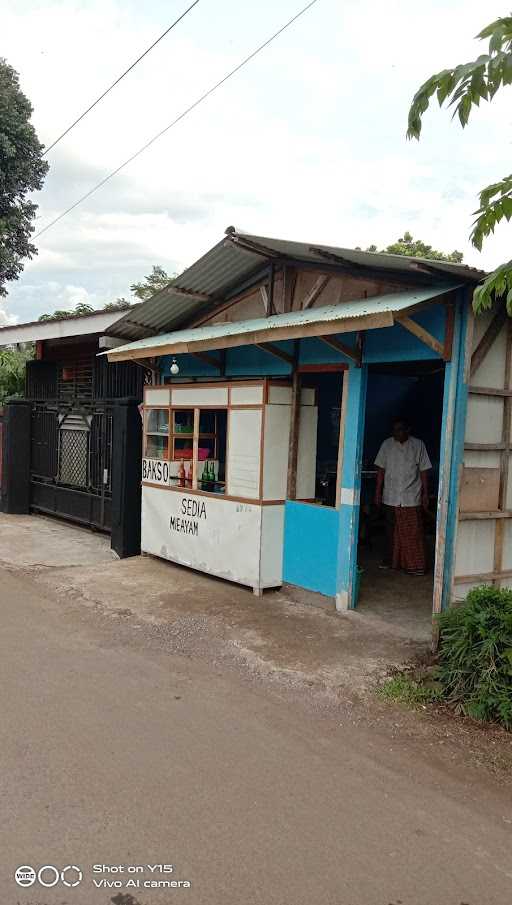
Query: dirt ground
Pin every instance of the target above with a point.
(291, 639)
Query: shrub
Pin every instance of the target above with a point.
(475, 656)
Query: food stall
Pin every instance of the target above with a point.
(214, 475)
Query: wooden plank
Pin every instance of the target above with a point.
(483, 577)
(353, 354)
(490, 514)
(293, 447)
(488, 338)
(208, 359)
(420, 333)
(316, 290)
(479, 489)
(289, 283)
(505, 455)
(484, 447)
(277, 353)
(448, 332)
(488, 391)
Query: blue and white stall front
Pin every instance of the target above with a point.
(257, 454)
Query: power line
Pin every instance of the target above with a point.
(113, 85)
(179, 117)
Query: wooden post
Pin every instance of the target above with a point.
(291, 484)
(504, 459)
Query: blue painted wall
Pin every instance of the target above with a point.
(311, 547)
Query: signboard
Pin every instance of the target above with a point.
(219, 536)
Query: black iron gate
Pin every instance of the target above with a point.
(71, 442)
(71, 464)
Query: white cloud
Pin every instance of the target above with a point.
(307, 142)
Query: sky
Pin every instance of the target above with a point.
(307, 142)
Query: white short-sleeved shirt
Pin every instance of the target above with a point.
(402, 464)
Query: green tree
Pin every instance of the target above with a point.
(157, 279)
(22, 170)
(12, 370)
(464, 87)
(415, 248)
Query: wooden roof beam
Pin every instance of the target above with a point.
(208, 359)
(420, 333)
(277, 353)
(348, 351)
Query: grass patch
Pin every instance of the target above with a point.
(403, 689)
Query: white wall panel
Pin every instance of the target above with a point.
(279, 395)
(199, 396)
(218, 536)
(484, 419)
(276, 440)
(272, 536)
(481, 458)
(475, 547)
(249, 395)
(243, 465)
(157, 396)
(491, 372)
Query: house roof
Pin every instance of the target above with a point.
(219, 274)
(360, 314)
(63, 327)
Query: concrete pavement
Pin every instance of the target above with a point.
(118, 750)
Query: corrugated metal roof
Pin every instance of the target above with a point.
(315, 252)
(239, 255)
(218, 336)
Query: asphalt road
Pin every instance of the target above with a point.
(117, 751)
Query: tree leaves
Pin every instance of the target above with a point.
(416, 248)
(22, 170)
(497, 286)
(464, 87)
(468, 83)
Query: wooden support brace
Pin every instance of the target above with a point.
(488, 338)
(273, 350)
(353, 354)
(315, 291)
(208, 359)
(265, 299)
(420, 333)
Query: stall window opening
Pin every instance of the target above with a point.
(157, 434)
(197, 451)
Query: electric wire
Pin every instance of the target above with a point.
(178, 119)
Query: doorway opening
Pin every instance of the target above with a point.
(319, 430)
(412, 392)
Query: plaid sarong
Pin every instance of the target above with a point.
(409, 539)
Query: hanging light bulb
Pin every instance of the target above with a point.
(175, 368)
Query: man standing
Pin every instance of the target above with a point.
(402, 485)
